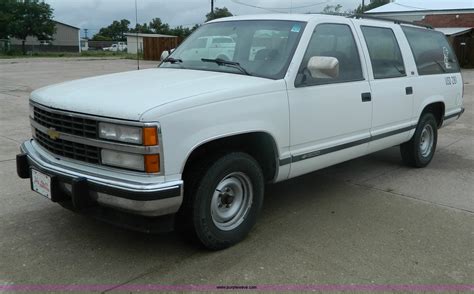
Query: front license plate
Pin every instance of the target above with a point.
(41, 183)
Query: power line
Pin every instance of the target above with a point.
(277, 9)
(254, 6)
(408, 6)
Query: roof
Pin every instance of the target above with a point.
(303, 18)
(453, 31)
(423, 5)
(150, 35)
(68, 25)
(270, 16)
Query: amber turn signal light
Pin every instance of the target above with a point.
(152, 163)
(150, 136)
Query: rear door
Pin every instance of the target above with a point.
(391, 82)
(439, 77)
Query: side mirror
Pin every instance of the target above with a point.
(164, 55)
(323, 67)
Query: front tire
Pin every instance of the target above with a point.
(224, 200)
(420, 150)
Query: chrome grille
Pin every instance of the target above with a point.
(72, 125)
(69, 149)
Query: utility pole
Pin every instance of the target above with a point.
(212, 7)
(136, 27)
(85, 33)
(363, 6)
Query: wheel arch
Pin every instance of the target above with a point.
(437, 108)
(255, 143)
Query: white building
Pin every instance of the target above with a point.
(417, 10)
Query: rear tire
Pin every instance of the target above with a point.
(420, 150)
(222, 200)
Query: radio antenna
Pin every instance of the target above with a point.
(137, 31)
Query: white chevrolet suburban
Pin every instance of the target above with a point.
(191, 144)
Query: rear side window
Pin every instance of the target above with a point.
(385, 55)
(432, 52)
(332, 40)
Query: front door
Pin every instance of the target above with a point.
(330, 118)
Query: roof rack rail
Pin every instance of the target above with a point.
(396, 21)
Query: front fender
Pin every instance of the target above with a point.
(185, 130)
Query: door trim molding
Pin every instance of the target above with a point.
(316, 153)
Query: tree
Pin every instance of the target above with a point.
(32, 18)
(180, 31)
(218, 13)
(159, 27)
(116, 31)
(98, 37)
(373, 4)
(7, 8)
(143, 29)
(332, 9)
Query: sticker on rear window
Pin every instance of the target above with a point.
(446, 57)
(296, 28)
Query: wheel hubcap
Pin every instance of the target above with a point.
(231, 201)
(426, 141)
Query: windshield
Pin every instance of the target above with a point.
(260, 48)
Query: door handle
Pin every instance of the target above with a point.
(366, 97)
(409, 90)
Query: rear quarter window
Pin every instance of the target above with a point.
(432, 52)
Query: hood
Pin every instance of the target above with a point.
(128, 95)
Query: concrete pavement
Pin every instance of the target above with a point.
(366, 221)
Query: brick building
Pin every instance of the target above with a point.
(455, 18)
(464, 20)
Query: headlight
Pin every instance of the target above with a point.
(121, 133)
(147, 136)
(149, 163)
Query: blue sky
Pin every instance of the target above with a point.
(94, 14)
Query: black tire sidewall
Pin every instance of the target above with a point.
(426, 119)
(208, 233)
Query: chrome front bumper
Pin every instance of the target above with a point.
(93, 186)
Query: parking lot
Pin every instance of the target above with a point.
(366, 221)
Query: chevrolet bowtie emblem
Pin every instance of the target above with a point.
(53, 134)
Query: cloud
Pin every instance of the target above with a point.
(95, 14)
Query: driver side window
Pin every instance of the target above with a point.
(335, 41)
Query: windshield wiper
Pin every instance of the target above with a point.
(173, 60)
(222, 62)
